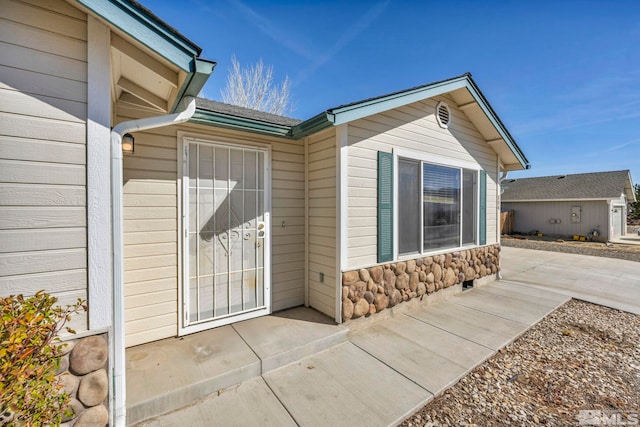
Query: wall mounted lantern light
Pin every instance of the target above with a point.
(127, 143)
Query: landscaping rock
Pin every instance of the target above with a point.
(369, 297)
(94, 388)
(376, 273)
(437, 272)
(381, 301)
(402, 281)
(411, 266)
(88, 355)
(357, 290)
(414, 279)
(347, 310)
(422, 289)
(93, 417)
(77, 409)
(389, 282)
(360, 308)
(349, 276)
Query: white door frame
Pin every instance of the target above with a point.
(183, 139)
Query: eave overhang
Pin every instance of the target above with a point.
(133, 22)
(211, 118)
(359, 110)
(629, 189)
(138, 23)
(195, 80)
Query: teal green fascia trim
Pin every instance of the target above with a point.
(140, 26)
(367, 108)
(211, 118)
(195, 80)
(311, 126)
(379, 105)
(497, 123)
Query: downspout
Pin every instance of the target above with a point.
(119, 382)
(503, 177)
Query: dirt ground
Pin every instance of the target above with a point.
(560, 244)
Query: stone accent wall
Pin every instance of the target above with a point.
(83, 373)
(370, 290)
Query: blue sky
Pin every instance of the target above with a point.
(564, 76)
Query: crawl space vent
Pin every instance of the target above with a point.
(443, 114)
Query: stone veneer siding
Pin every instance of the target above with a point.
(370, 290)
(83, 375)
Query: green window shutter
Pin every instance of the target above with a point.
(385, 206)
(483, 207)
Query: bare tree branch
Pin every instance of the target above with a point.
(254, 88)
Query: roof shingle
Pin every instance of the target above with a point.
(596, 185)
(245, 113)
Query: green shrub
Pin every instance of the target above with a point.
(29, 357)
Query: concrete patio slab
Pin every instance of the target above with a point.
(345, 386)
(250, 403)
(474, 325)
(441, 342)
(427, 362)
(169, 374)
(628, 239)
(513, 290)
(286, 337)
(506, 307)
(610, 282)
(310, 376)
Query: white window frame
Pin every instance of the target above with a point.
(439, 161)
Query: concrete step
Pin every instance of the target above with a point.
(166, 375)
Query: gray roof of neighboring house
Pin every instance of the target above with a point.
(245, 113)
(583, 186)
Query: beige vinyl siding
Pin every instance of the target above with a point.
(150, 237)
(322, 221)
(536, 215)
(43, 111)
(412, 128)
(151, 225)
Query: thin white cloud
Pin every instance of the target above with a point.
(620, 146)
(346, 37)
(271, 30)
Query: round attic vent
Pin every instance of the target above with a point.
(443, 114)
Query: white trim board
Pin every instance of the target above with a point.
(342, 214)
(98, 174)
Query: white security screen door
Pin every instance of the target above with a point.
(225, 240)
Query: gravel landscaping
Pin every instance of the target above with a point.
(582, 357)
(547, 243)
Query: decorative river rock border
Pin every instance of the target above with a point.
(83, 374)
(370, 290)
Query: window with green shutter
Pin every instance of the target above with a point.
(385, 206)
(440, 207)
(483, 207)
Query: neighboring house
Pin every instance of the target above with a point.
(221, 213)
(592, 205)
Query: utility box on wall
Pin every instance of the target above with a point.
(576, 214)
